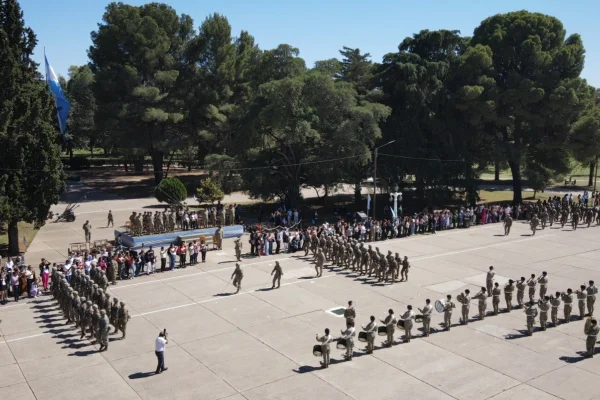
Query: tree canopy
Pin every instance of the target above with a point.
(31, 172)
(260, 120)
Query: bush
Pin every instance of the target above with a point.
(208, 192)
(170, 191)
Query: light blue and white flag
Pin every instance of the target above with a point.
(62, 104)
(368, 201)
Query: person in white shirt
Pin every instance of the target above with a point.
(9, 264)
(159, 350)
(68, 271)
(87, 266)
(295, 216)
(163, 259)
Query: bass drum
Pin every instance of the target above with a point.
(382, 331)
(317, 350)
(362, 336)
(341, 344)
(439, 305)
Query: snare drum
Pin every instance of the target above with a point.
(362, 336)
(418, 318)
(341, 344)
(317, 350)
(401, 324)
(382, 331)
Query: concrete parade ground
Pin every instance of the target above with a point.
(258, 344)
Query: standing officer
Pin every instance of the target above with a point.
(278, 273)
(489, 281)
(319, 262)
(507, 224)
(238, 250)
(87, 230)
(405, 268)
(237, 277)
(350, 312)
(219, 238)
(110, 219)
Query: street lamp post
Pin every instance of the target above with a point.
(394, 197)
(375, 177)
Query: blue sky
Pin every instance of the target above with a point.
(318, 28)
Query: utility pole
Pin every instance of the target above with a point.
(375, 177)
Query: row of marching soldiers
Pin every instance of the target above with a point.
(585, 297)
(351, 254)
(388, 328)
(577, 213)
(89, 307)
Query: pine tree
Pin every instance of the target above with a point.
(32, 177)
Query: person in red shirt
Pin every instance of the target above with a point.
(182, 251)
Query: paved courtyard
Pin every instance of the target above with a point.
(258, 344)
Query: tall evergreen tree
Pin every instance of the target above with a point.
(136, 56)
(537, 92)
(31, 172)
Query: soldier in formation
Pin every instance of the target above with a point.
(325, 340)
(481, 297)
(349, 335)
(87, 305)
(465, 300)
(426, 313)
(448, 307)
(371, 329)
(489, 281)
(591, 330)
(544, 305)
(390, 326)
(531, 312)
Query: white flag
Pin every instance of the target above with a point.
(368, 201)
